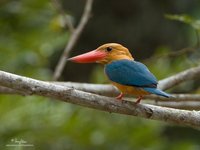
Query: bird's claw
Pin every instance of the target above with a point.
(120, 96)
(138, 100)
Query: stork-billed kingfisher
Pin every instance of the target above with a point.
(128, 75)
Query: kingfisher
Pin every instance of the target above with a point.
(129, 76)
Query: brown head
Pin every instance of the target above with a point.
(104, 54)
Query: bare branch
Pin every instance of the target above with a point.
(70, 95)
(176, 98)
(5, 90)
(109, 90)
(181, 101)
(73, 39)
(100, 89)
(187, 105)
(179, 78)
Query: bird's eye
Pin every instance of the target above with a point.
(109, 49)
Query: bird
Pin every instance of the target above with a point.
(129, 76)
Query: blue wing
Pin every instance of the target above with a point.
(128, 72)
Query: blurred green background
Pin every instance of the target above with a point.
(32, 38)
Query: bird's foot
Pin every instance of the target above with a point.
(139, 99)
(119, 97)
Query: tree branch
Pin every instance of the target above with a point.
(179, 78)
(73, 39)
(176, 98)
(181, 101)
(109, 90)
(70, 95)
(187, 105)
(5, 90)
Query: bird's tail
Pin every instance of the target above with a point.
(158, 92)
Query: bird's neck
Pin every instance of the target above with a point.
(120, 57)
(116, 58)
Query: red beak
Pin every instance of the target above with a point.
(89, 57)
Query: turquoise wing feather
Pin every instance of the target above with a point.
(128, 72)
(133, 73)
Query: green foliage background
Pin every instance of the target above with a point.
(31, 39)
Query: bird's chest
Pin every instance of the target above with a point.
(130, 89)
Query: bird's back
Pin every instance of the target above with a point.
(132, 77)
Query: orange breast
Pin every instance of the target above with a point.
(130, 89)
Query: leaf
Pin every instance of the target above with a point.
(195, 23)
